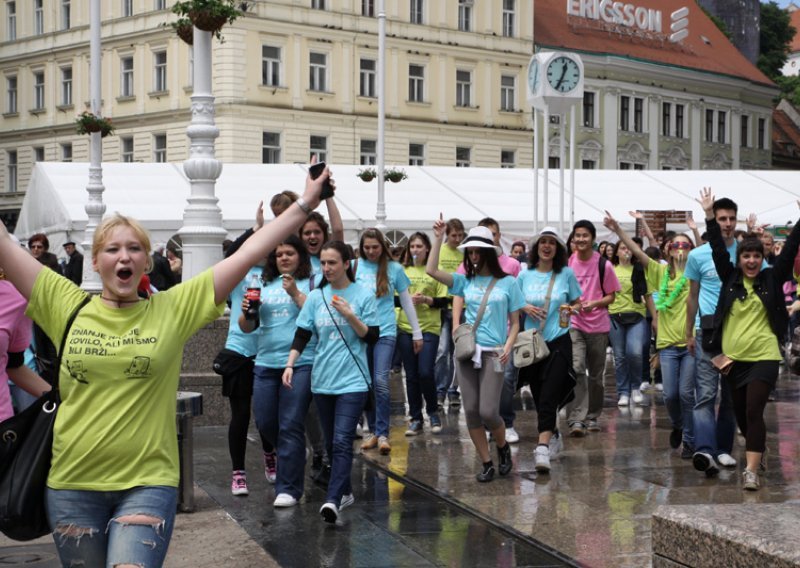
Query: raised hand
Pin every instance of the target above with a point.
(750, 222)
(706, 201)
(691, 224)
(636, 214)
(439, 227)
(260, 215)
(610, 223)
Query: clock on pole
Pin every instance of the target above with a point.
(555, 81)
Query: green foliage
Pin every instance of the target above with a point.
(790, 89)
(776, 37)
(86, 123)
(223, 9)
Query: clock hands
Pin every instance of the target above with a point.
(563, 75)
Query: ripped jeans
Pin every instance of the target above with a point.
(89, 528)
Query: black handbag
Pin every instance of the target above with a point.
(229, 362)
(26, 448)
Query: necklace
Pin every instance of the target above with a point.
(665, 302)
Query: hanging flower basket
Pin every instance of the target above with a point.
(208, 15)
(367, 174)
(86, 123)
(185, 30)
(394, 175)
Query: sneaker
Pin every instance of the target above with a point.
(370, 442)
(436, 423)
(359, 432)
(644, 387)
(624, 400)
(541, 458)
(317, 463)
(271, 466)
(329, 512)
(440, 402)
(284, 500)
(511, 435)
(239, 483)
(726, 460)
(347, 500)
(487, 473)
(577, 430)
(414, 428)
(750, 480)
(687, 452)
(504, 459)
(556, 445)
(705, 462)
(455, 401)
(383, 445)
(592, 426)
(675, 438)
(659, 387)
(636, 396)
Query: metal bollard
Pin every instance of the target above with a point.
(189, 405)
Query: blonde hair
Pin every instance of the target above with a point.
(109, 224)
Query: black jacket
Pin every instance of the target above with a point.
(768, 285)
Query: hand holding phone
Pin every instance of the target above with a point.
(315, 170)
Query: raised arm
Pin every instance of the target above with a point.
(432, 267)
(20, 268)
(719, 252)
(337, 226)
(784, 262)
(612, 225)
(651, 240)
(698, 239)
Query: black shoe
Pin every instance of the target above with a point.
(687, 452)
(504, 454)
(487, 474)
(706, 463)
(316, 465)
(675, 438)
(324, 475)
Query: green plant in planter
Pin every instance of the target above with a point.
(394, 175)
(367, 174)
(208, 15)
(86, 123)
(185, 30)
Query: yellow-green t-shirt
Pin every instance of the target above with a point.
(623, 301)
(746, 333)
(119, 377)
(430, 319)
(672, 320)
(449, 260)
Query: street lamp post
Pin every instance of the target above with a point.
(380, 214)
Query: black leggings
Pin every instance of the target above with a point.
(237, 431)
(749, 402)
(550, 382)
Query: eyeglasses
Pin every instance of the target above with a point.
(35, 246)
(680, 245)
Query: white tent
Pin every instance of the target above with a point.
(156, 195)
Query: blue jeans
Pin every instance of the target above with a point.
(445, 368)
(714, 432)
(677, 372)
(339, 415)
(507, 396)
(280, 415)
(627, 341)
(102, 540)
(379, 357)
(419, 373)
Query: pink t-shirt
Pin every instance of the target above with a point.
(509, 265)
(15, 337)
(588, 275)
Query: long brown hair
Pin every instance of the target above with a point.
(382, 277)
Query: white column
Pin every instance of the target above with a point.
(535, 114)
(610, 126)
(652, 125)
(736, 138)
(202, 233)
(380, 214)
(572, 143)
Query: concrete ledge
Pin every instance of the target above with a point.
(710, 536)
(197, 375)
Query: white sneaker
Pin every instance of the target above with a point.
(511, 436)
(624, 400)
(541, 458)
(347, 500)
(284, 500)
(556, 445)
(329, 512)
(660, 387)
(644, 387)
(637, 397)
(726, 460)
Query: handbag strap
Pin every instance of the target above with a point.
(333, 319)
(57, 368)
(482, 308)
(547, 298)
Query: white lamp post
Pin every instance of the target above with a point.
(380, 214)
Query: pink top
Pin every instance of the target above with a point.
(509, 265)
(588, 275)
(15, 337)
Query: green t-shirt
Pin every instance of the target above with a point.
(430, 319)
(672, 319)
(449, 260)
(119, 377)
(623, 301)
(746, 333)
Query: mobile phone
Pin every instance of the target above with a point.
(315, 170)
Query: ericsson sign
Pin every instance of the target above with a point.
(631, 16)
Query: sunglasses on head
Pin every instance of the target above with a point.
(680, 245)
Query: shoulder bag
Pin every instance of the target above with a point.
(530, 346)
(464, 335)
(26, 447)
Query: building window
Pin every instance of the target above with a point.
(369, 153)
(11, 94)
(161, 5)
(624, 113)
(416, 83)
(745, 142)
(127, 8)
(38, 154)
(126, 149)
(630, 166)
(762, 131)
(66, 14)
(638, 115)
(126, 80)
(319, 147)
(721, 120)
(12, 171)
(709, 125)
(416, 15)
(38, 90)
(508, 18)
(160, 71)
(270, 65)
(463, 88)
(38, 17)
(159, 148)
(11, 13)
(465, 15)
(508, 92)
(416, 154)
(463, 157)
(554, 162)
(66, 86)
(588, 164)
(368, 8)
(66, 152)
(666, 119)
(271, 148)
(367, 78)
(317, 70)
(588, 110)
(679, 121)
(508, 159)
(318, 4)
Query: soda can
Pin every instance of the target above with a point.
(564, 313)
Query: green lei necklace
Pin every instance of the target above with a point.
(665, 302)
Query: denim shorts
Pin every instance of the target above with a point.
(98, 539)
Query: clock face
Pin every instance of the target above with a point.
(534, 75)
(563, 74)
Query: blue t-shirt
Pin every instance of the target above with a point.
(243, 343)
(504, 299)
(334, 370)
(700, 268)
(316, 265)
(366, 274)
(534, 284)
(278, 314)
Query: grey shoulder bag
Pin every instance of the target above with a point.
(464, 336)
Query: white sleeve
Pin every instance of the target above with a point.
(411, 314)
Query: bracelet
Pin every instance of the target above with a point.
(301, 203)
